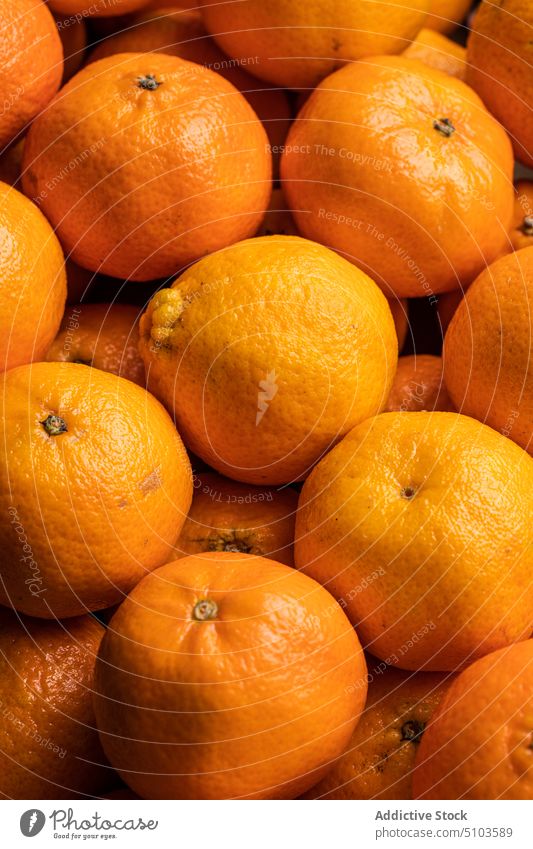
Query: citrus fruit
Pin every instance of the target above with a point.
(418, 385)
(34, 288)
(105, 336)
(379, 759)
(95, 482)
(166, 162)
(49, 747)
(522, 228)
(96, 8)
(478, 743)
(296, 45)
(420, 525)
(400, 168)
(31, 64)
(225, 675)
(446, 15)
(438, 52)
(487, 349)
(230, 516)
(181, 33)
(499, 68)
(267, 353)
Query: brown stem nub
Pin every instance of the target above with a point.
(148, 82)
(527, 225)
(54, 425)
(444, 126)
(412, 730)
(204, 609)
(408, 492)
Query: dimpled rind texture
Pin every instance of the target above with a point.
(267, 353)
(34, 284)
(31, 64)
(140, 182)
(256, 703)
(420, 525)
(499, 59)
(298, 44)
(488, 368)
(478, 743)
(49, 747)
(368, 174)
(92, 510)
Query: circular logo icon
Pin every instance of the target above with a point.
(32, 822)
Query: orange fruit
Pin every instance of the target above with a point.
(420, 525)
(34, 289)
(418, 385)
(105, 336)
(446, 15)
(421, 216)
(478, 743)
(73, 35)
(253, 692)
(135, 115)
(267, 353)
(499, 68)
(438, 52)
(230, 516)
(31, 64)
(181, 33)
(95, 483)
(96, 8)
(487, 350)
(49, 747)
(297, 45)
(522, 228)
(379, 759)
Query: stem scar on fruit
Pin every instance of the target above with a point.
(527, 225)
(408, 492)
(54, 425)
(148, 82)
(444, 126)
(204, 609)
(412, 730)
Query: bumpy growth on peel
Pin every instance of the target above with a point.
(267, 353)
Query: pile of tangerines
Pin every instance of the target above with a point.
(248, 550)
